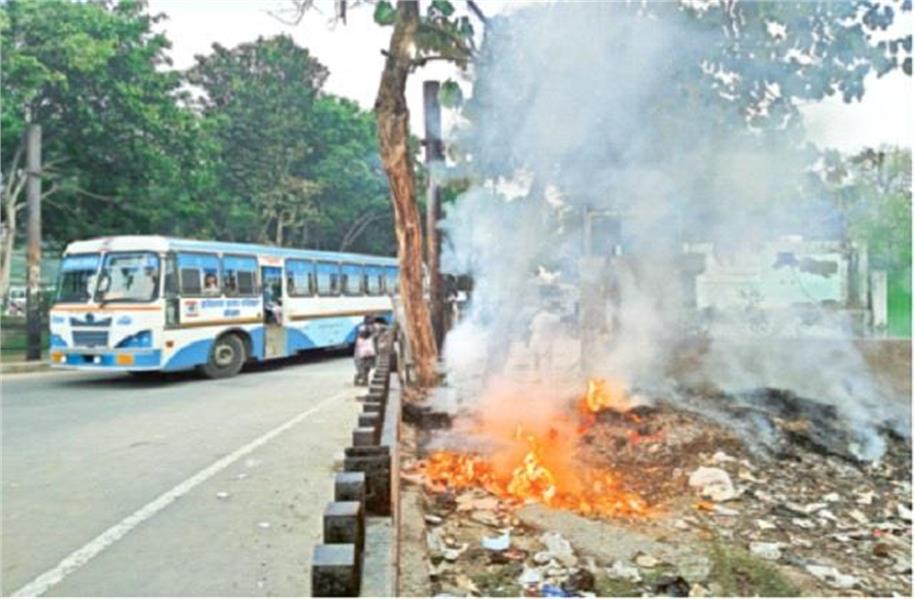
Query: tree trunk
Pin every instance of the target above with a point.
(393, 135)
(12, 187)
(9, 240)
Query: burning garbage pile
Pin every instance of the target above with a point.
(618, 495)
(539, 467)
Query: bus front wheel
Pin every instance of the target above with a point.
(225, 358)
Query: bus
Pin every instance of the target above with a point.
(148, 303)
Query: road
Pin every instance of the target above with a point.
(113, 486)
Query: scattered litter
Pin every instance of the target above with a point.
(433, 519)
(859, 516)
(499, 543)
(646, 560)
(559, 548)
(769, 551)
(904, 512)
(542, 557)
(550, 590)
(451, 554)
(264, 525)
(765, 525)
(721, 457)
(713, 483)
(831, 576)
(725, 511)
(831, 497)
(623, 571)
(241, 476)
(865, 498)
(530, 577)
(223, 495)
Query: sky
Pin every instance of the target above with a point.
(352, 53)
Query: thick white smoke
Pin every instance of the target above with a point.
(600, 108)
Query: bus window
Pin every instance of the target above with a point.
(392, 282)
(374, 276)
(240, 275)
(299, 278)
(352, 279)
(129, 277)
(199, 274)
(328, 278)
(77, 277)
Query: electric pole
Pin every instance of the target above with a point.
(33, 324)
(434, 160)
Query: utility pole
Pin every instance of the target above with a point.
(33, 324)
(434, 160)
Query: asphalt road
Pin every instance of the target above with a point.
(112, 486)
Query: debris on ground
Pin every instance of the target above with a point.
(726, 519)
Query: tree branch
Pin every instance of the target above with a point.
(474, 8)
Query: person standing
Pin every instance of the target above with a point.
(364, 355)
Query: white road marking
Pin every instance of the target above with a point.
(87, 552)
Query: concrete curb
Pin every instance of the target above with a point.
(357, 554)
(24, 367)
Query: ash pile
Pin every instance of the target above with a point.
(759, 493)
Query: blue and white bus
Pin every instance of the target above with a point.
(149, 303)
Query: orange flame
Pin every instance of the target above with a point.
(602, 395)
(544, 474)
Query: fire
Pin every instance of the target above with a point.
(602, 395)
(538, 467)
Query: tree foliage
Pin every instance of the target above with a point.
(872, 189)
(295, 166)
(116, 146)
(244, 146)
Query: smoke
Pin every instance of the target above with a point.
(606, 110)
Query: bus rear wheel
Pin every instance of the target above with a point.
(225, 358)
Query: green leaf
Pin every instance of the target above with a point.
(442, 6)
(450, 95)
(385, 13)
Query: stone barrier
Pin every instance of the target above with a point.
(361, 492)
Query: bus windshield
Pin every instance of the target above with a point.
(77, 278)
(129, 277)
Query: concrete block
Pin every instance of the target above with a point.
(372, 407)
(370, 419)
(344, 522)
(364, 435)
(368, 451)
(376, 465)
(334, 571)
(349, 486)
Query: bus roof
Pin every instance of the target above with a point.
(158, 243)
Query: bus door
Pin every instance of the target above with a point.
(274, 342)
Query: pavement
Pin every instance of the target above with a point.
(22, 366)
(180, 487)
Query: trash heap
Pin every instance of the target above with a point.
(725, 519)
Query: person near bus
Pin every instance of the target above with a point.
(364, 355)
